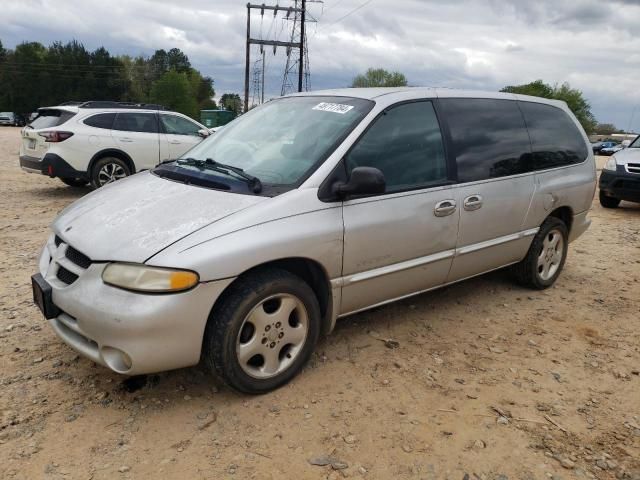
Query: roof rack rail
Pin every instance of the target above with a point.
(111, 104)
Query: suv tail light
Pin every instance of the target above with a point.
(54, 136)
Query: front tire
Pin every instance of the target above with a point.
(546, 256)
(608, 202)
(263, 331)
(108, 170)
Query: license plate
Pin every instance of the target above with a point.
(42, 297)
(32, 144)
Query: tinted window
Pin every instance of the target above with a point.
(406, 145)
(489, 137)
(102, 120)
(175, 125)
(51, 118)
(136, 122)
(555, 138)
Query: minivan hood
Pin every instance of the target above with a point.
(134, 218)
(628, 155)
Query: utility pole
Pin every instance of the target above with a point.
(273, 43)
(302, 39)
(262, 87)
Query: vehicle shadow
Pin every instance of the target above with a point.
(60, 192)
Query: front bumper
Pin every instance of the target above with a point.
(620, 184)
(130, 333)
(52, 165)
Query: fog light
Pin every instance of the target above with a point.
(116, 360)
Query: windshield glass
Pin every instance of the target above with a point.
(280, 141)
(636, 143)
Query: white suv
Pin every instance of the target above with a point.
(100, 142)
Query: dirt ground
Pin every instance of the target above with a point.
(489, 381)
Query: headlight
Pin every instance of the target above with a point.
(611, 164)
(148, 279)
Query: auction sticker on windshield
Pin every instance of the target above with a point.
(333, 107)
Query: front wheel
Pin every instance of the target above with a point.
(608, 202)
(546, 256)
(108, 170)
(263, 331)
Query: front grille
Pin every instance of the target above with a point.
(633, 167)
(65, 276)
(77, 257)
(66, 263)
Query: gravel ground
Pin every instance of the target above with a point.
(489, 381)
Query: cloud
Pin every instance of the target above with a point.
(486, 44)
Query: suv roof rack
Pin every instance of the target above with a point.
(110, 104)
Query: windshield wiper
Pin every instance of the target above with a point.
(210, 164)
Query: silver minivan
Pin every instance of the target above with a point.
(310, 208)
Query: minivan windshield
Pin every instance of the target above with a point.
(282, 140)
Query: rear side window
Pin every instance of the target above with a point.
(489, 137)
(51, 118)
(555, 139)
(102, 120)
(136, 122)
(405, 143)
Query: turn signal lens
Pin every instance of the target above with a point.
(142, 278)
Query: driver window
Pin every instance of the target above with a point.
(174, 125)
(406, 145)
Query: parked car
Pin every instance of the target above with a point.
(101, 142)
(620, 177)
(608, 151)
(598, 146)
(11, 119)
(310, 208)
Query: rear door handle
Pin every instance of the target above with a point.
(473, 202)
(126, 139)
(174, 142)
(444, 208)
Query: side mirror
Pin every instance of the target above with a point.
(203, 133)
(363, 181)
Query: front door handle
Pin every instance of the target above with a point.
(473, 202)
(444, 208)
(174, 142)
(126, 139)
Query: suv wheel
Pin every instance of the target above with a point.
(263, 332)
(108, 170)
(74, 182)
(608, 202)
(547, 254)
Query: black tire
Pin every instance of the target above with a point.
(118, 166)
(527, 273)
(223, 332)
(607, 201)
(74, 182)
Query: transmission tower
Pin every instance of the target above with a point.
(257, 72)
(296, 48)
(292, 68)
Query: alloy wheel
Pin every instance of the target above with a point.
(551, 254)
(272, 335)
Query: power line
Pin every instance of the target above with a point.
(351, 12)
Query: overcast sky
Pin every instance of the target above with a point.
(592, 44)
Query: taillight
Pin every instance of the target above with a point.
(54, 136)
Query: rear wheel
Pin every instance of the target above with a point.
(263, 331)
(108, 170)
(607, 201)
(74, 182)
(547, 254)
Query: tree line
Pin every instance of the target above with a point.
(32, 76)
